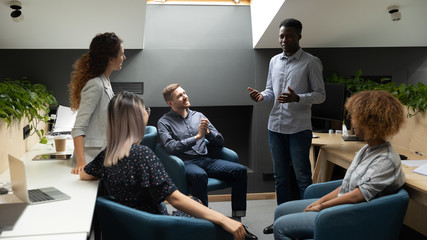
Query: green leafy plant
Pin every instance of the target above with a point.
(413, 97)
(21, 99)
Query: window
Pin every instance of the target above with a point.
(201, 2)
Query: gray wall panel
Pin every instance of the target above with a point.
(211, 77)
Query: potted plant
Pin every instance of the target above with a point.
(21, 99)
(413, 97)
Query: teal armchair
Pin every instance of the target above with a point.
(121, 222)
(150, 137)
(176, 170)
(379, 219)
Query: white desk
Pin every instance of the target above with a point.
(69, 219)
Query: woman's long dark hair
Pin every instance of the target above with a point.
(92, 64)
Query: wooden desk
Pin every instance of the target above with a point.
(416, 185)
(328, 139)
(411, 138)
(324, 139)
(335, 151)
(68, 219)
(343, 154)
(339, 154)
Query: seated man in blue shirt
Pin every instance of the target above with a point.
(182, 133)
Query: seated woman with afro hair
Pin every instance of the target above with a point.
(375, 170)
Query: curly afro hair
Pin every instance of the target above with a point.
(379, 113)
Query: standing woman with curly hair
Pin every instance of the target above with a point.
(374, 172)
(90, 93)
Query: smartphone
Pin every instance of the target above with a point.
(52, 156)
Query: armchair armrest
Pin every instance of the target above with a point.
(381, 217)
(174, 167)
(318, 190)
(222, 153)
(122, 222)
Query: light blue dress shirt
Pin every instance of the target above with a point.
(302, 72)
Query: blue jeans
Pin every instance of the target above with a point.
(290, 220)
(200, 169)
(286, 149)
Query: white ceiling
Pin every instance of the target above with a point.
(60, 24)
(64, 24)
(351, 23)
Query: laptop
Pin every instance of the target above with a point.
(64, 120)
(18, 181)
(12, 205)
(352, 138)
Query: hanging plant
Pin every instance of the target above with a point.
(21, 99)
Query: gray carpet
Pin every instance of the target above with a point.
(259, 214)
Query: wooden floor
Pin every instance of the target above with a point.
(249, 196)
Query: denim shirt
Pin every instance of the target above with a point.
(302, 72)
(177, 134)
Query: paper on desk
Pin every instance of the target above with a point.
(414, 163)
(65, 119)
(421, 169)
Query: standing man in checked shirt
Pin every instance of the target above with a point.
(294, 83)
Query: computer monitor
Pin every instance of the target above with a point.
(332, 109)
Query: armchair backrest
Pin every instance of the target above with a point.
(150, 137)
(121, 222)
(174, 167)
(318, 190)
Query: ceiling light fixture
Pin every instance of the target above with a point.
(16, 14)
(394, 12)
(236, 1)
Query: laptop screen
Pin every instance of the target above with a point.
(18, 178)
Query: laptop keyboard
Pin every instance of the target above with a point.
(36, 195)
(351, 138)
